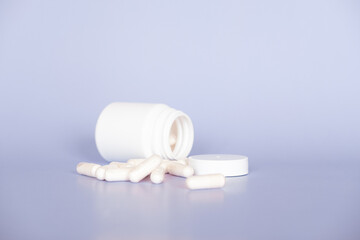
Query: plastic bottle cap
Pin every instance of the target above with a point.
(228, 165)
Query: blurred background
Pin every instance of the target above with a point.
(263, 78)
(278, 81)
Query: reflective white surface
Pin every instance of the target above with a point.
(275, 201)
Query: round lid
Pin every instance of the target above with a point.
(228, 165)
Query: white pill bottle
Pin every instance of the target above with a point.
(138, 130)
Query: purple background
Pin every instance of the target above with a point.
(278, 81)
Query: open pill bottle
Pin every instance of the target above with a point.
(139, 130)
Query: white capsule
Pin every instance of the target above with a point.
(87, 169)
(183, 161)
(117, 174)
(121, 164)
(180, 170)
(158, 175)
(205, 181)
(135, 162)
(100, 172)
(172, 140)
(164, 164)
(142, 170)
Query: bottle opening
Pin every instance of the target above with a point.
(179, 138)
(173, 135)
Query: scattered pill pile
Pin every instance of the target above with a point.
(135, 170)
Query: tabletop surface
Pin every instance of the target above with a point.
(275, 201)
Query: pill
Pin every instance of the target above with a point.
(164, 164)
(158, 175)
(142, 170)
(172, 140)
(205, 181)
(180, 170)
(87, 169)
(117, 174)
(100, 172)
(135, 162)
(183, 161)
(121, 164)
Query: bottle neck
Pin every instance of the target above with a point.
(173, 134)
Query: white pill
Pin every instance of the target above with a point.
(165, 164)
(121, 164)
(87, 169)
(100, 172)
(180, 170)
(205, 181)
(172, 140)
(142, 170)
(117, 174)
(183, 161)
(135, 162)
(158, 175)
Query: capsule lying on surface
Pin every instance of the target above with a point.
(135, 161)
(117, 174)
(158, 175)
(205, 181)
(142, 170)
(100, 172)
(183, 161)
(121, 164)
(180, 170)
(87, 169)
